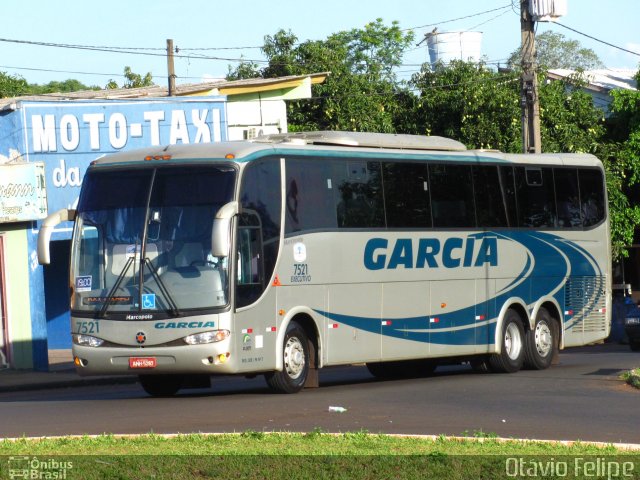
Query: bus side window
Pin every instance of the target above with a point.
(591, 196)
(452, 196)
(309, 198)
(359, 192)
(488, 193)
(536, 199)
(406, 194)
(567, 197)
(508, 192)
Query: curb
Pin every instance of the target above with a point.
(79, 382)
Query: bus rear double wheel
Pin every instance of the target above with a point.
(511, 356)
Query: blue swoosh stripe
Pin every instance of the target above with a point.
(544, 260)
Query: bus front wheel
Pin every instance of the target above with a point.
(161, 385)
(295, 362)
(511, 356)
(541, 343)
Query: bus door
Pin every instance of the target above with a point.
(257, 246)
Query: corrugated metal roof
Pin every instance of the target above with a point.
(156, 91)
(601, 80)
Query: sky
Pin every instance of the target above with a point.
(221, 27)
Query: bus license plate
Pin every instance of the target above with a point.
(142, 362)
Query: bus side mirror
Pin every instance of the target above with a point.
(221, 230)
(46, 229)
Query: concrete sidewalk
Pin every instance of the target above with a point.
(61, 374)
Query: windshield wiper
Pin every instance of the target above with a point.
(105, 306)
(163, 289)
(175, 311)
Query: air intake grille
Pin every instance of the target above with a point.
(585, 297)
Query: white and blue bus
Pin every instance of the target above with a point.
(292, 252)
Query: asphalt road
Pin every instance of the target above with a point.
(579, 399)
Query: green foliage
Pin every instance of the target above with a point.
(243, 71)
(632, 377)
(623, 167)
(70, 85)
(12, 86)
(360, 94)
(554, 50)
(470, 103)
(132, 80)
(569, 121)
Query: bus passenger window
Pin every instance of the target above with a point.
(309, 197)
(406, 195)
(567, 197)
(508, 192)
(452, 196)
(490, 206)
(591, 197)
(359, 193)
(536, 199)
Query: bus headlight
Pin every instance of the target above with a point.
(87, 340)
(207, 337)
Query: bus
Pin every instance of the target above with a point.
(288, 253)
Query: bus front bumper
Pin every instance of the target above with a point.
(189, 359)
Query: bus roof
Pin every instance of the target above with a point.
(365, 139)
(367, 143)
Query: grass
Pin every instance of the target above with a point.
(632, 377)
(315, 442)
(314, 455)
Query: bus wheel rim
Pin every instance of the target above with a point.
(542, 338)
(294, 360)
(513, 341)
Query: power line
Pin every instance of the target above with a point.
(218, 48)
(597, 39)
(62, 71)
(126, 51)
(490, 20)
(459, 18)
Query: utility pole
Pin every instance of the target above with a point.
(171, 68)
(529, 100)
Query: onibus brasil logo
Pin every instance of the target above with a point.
(25, 467)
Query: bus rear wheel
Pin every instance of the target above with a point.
(541, 343)
(295, 362)
(511, 356)
(161, 385)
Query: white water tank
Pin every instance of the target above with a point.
(447, 46)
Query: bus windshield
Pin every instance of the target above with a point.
(142, 241)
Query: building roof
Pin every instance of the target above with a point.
(215, 87)
(603, 80)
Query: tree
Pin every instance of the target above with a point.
(244, 70)
(471, 103)
(554, 50)
(133, 80)
(360, 92)
(623, 167)
(12, 86)
(569, 120)
(70, 85)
